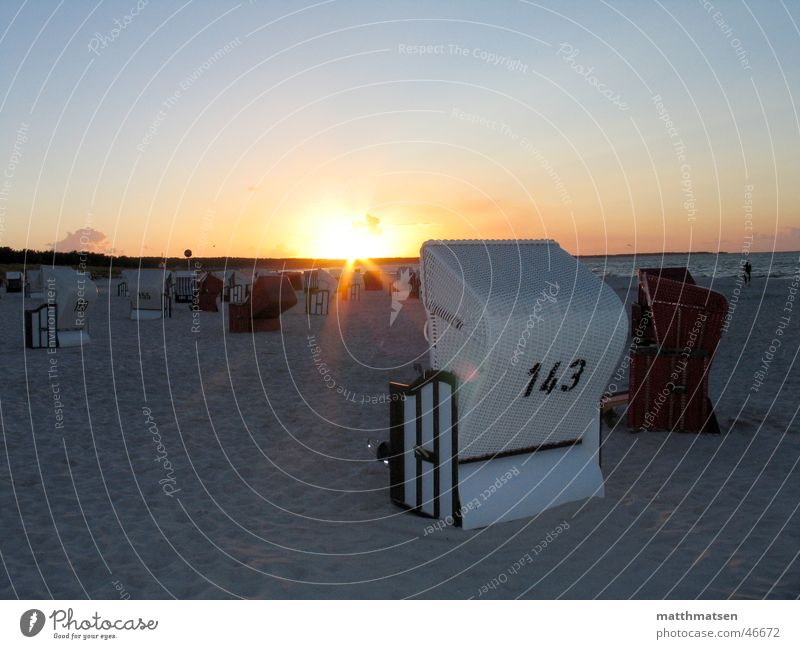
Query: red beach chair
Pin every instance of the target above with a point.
(270, 296)
(677, 328)
(373, 280)
(210, 289)
(295, 277)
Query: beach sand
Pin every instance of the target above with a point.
(271, 492)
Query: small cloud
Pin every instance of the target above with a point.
(85, 240)
(372, 224)
(282, 250)
(758, 236)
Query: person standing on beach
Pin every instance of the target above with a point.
(414, 282)
(747, 270)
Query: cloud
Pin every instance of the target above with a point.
(85, 240)
(372, 224)
(282, 251)
(771, 237)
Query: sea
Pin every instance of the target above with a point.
(700, 264)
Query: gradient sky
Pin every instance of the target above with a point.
(312, 129)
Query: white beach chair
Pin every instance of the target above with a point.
(507, 424)
(245, 277)
(151, 293)
(15, 281)
(318, 284)
(63, 319)
(185, 285)
(123, 287)
(34, 283)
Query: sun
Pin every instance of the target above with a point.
(348, 237)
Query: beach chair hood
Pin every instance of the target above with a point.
(531, 335)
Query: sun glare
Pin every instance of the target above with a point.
(349, 238)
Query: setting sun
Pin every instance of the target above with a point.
(349, 237)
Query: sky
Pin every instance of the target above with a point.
(344, 128)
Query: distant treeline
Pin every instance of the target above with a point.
(74, 258)
(96, 260)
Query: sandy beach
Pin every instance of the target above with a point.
(170, 458)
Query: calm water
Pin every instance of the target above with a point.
(765, 264)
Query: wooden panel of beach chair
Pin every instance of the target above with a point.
(423, 470)
(353, 292)
(317, 302)
(40, 326)
(669, 392)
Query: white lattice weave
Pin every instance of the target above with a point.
(532, 335)
(146, 287)
(73, 292)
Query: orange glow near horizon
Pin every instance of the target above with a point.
(385, 227)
